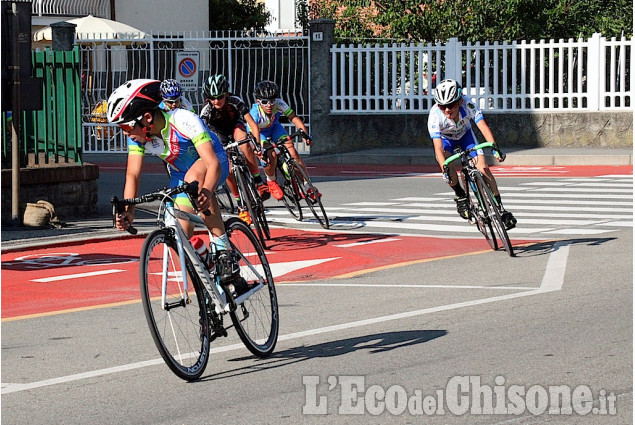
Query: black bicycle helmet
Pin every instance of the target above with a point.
(130, 100)
(216, 85)
(266, 90)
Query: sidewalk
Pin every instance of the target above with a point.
(101, 227)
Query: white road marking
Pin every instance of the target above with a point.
(552, 280)
(76, 276)
(348, 245)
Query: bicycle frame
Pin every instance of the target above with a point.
(170, 220)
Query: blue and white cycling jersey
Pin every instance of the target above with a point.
(442, 127)
(270, 125)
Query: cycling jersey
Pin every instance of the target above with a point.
(183, 132)
(442, 127)
(270, 125)
(227, 118)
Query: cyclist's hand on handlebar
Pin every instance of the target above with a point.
(204, 200)
(307, 141)
(124, 220)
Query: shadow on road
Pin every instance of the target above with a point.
(373, 344)
(544, 248)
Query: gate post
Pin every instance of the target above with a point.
(321, 39)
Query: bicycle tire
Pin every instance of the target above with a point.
(315, 206)
(480, 214)
(250, 203)
(181, 333)
(292, 195)
(225, 199)
(257, 319)
(494, 215)
(259, 207)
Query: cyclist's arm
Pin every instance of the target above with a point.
(485, 130)
(253, 127)
(131, 187)
(439, 152)
(212, 173)
(297, 121)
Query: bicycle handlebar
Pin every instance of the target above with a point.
(495, 149)
(119, 205)
(300, 133)
(237, 143)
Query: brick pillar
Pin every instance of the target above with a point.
(322, 38)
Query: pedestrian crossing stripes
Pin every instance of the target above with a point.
(569, 206)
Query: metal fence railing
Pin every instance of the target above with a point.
(244, 59)
(584, 75)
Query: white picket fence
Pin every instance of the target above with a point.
(583, 75)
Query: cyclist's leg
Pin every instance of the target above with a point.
(240, 133)
(460, 198)
(270, 169)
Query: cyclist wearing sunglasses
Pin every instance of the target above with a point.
(173, 98)
(266, 113)
(449, 125)
(182, 140)
(225, 114)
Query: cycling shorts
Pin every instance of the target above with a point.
(467, 141)
(178, 177)
(276, 132)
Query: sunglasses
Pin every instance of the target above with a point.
(128, 126)
(449, 106)
(265, 102)
(171, 102)
(220, 96)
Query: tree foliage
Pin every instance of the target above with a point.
(474, 20)
(238, 15)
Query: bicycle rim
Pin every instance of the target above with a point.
(256, 319)
(316, 206)
(259, 209)
(494, 215)
(481, 218)
(291, 198)
(180, 329)
(247, 198)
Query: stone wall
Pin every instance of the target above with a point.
(338, 133)
(71, 188)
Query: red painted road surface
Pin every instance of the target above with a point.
(361, 171)
(97, 273)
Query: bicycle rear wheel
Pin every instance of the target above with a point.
(315, 204)
(251, 203)
(256, 319)
(179, 323)
(480, 215)
(494, 215)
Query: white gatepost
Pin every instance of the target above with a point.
(595, 62)
(453, 59)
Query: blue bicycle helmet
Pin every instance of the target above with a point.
(170, 90)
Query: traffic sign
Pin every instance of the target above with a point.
(187, 70)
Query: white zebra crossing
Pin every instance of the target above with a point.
(569, 206)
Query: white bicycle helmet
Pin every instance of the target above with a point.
(130, 100)
(447, 91)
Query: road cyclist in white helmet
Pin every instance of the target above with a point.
(449, 125)
(172, 96)
(192, 153)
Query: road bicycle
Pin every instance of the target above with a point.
(484, 210)
(297, 185)
(249, 196)
(183, 299)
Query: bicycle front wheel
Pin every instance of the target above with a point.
(480, 215)
(177, 319)
(315, 203)
(494, 215)
(225, 199)
(256, 319)
(292, 195)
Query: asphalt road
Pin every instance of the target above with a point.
(460, 333)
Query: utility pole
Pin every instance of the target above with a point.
(16, 118)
